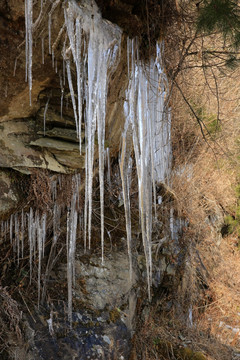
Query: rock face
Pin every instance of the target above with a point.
(103, 317)
(106, 285)
(15, 138)
(43, 136)
(66, 153)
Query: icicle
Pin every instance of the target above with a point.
(42, 50)
(79, 80)
(50, 324)
(28, 45)
(171, 223)
(11, 228)
(60, 182)
(72, 93)
(128, 55)
(49, 33)
(64, 73)
(190, 316)
(80, 222)
(56, 222)
(54, 190)
(6, 229)
(26, 38)
(53, 58)
(100, 52)
(85, 207)
(125, 157)
(145, 111)
(62, 95)
(44, 116)
(39, 243)
(30, 240)
(17, 239)
(72, 217)
(43, 222)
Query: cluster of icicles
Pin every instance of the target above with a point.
(93, 47)
(34, 227)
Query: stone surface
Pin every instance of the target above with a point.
(54, 144)
(60, 133)
(104, 312)
(52, 116)
(19, 151)
(15, 137)
(105, 284)
(91, 337)
(66, 153)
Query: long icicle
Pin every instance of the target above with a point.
(28, 45)
(124, 172)
(145, 109)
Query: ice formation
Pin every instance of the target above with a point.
(148, 127)
(100, 42)
(72, 218)
(92, 46)
(28, 45)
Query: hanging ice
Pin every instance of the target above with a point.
(92, 46)
(149, 124)
(125, 161)
(100, 50)
(28, 44)
(72, 216)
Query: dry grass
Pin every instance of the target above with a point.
(10, 317)
(222, 315)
